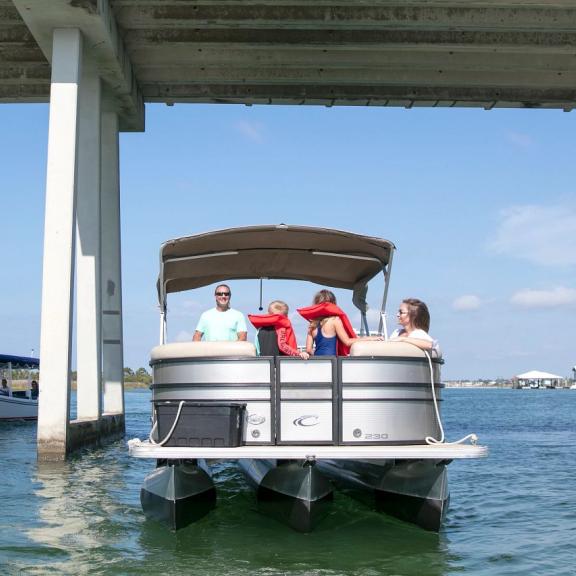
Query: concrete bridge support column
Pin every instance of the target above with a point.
(112, 357)
(73, 235)
(88, 261)
(59, 247)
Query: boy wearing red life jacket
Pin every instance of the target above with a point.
(275, 334)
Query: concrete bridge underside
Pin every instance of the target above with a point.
(98, 61)
(486, 53)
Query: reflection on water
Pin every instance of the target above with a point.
(78, 508)
(511, 514)
(351, 540)
(88, 512)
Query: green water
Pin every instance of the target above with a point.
(513, 513)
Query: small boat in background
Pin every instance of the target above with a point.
(18, 404)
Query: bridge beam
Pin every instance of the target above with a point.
(94, 18)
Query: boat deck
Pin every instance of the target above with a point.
(144, 449)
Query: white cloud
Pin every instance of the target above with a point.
(372, 317)
(186, 308)
(559, 296)
(543, 235)
(251, 131)
(520, 139)
(467, 302)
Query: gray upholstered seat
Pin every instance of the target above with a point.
(387, 348)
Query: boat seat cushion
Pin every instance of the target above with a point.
(178, 350)
(388, 348)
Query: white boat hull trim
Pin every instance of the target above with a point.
(18, 404)
(145, 449)
(15, 408)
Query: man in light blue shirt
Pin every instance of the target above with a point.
(221, 323)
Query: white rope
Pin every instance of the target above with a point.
(429, 439)
(167, 437)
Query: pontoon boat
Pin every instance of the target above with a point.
(368, 422)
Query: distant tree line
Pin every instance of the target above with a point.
(23, 374)
(141, 376)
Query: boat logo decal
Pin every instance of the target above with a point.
(256, 419)
(357, 433)
(309, 420)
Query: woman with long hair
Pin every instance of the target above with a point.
(414, 319)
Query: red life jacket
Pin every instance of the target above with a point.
(277, 321)
(324, 310)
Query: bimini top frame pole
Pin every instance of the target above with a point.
(386, 270)
(276, 252)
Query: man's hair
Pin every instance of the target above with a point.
(222, 286)
(278, 307)
(418, 313)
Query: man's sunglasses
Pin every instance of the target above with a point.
(222, 293)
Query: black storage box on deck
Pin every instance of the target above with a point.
(201, 424)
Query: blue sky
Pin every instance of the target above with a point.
(480, 204)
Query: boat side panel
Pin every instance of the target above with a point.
(250, 381)
(306, 401)
(388, 370)
(18, 408)
(387, 400)
(211, 371)
(306, 421)
(362, 400)
(305, 372)
(388, 421)
(388, 392)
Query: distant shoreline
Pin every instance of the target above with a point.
(23, 385)
(506, 386)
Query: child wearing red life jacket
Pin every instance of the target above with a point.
(275, 334)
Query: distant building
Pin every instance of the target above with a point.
(538, 379)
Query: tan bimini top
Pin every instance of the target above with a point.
(328, 257)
